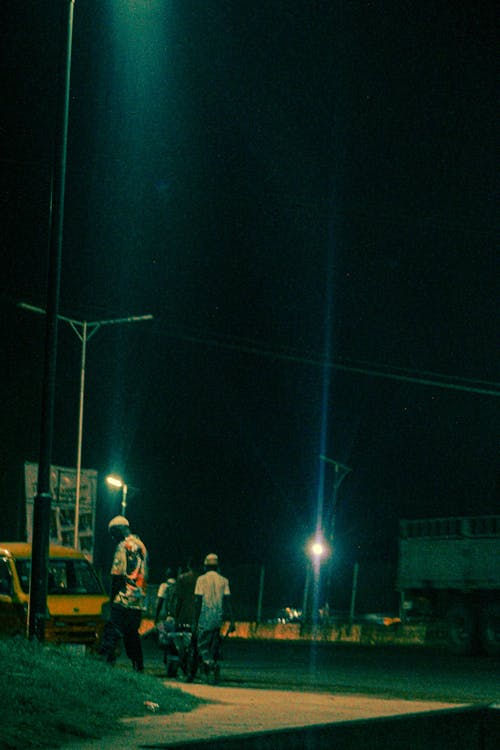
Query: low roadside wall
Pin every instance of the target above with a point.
(365, 634)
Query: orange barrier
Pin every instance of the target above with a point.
(364, 634)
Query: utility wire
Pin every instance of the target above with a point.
(410, 376)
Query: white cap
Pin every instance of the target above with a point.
(118, 521)
(211, 559)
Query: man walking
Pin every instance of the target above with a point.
(166, 597)
(184, 600)
(128, 594)
(212, 606)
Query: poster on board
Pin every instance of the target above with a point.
(62, 517)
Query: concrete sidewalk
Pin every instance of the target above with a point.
(236, 710)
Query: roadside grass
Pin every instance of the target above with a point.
(51, 696)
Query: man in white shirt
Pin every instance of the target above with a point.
(212, 606)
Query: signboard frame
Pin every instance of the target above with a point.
(63, 492)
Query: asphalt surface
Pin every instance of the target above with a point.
(268, 686)
(411, 673)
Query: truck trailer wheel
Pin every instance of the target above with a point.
(490, 629)
(462, 630)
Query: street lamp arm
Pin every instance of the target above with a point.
(84, 334)
(344, 468)
(41, 311)
(31, 308)
(129, 319)
(93, 326)
(97, 323)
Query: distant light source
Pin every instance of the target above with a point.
(119, 483)
(114, 481)
(317, 549)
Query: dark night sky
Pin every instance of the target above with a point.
(280, 184)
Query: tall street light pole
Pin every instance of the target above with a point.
(315, 551)
(42, 504)
(84, 330)
(341, 472)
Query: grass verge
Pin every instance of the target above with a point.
(51, 696)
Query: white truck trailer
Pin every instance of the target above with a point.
(449, 571)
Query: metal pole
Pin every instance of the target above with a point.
(42, 506)
(88, 330)
(354, 591)
(261, 594)
(76, 541)
(124, 499)
(341, 471)
(331, 537)
(402, 608)
(305, 602)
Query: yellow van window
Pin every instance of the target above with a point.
(5, 579)
(71, 576)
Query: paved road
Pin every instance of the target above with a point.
(396, 672)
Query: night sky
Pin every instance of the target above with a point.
(302, 194)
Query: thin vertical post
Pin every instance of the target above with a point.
(305, 601)
(76, 543)
(354, 591)
(43, 499)
(124, 499)
(261, 594)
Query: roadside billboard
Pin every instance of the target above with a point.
(63, 491)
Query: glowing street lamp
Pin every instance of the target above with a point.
(316, 550)
(116, 482)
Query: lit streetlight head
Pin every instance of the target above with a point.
(317, 549)
(118, 483)
(114, 481)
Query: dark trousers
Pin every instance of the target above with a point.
(208, 643)
(123, 623)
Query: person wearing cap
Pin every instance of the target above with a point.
(128, 594)
(166, 597)
(212, 606)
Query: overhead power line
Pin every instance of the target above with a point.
(436, 380)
